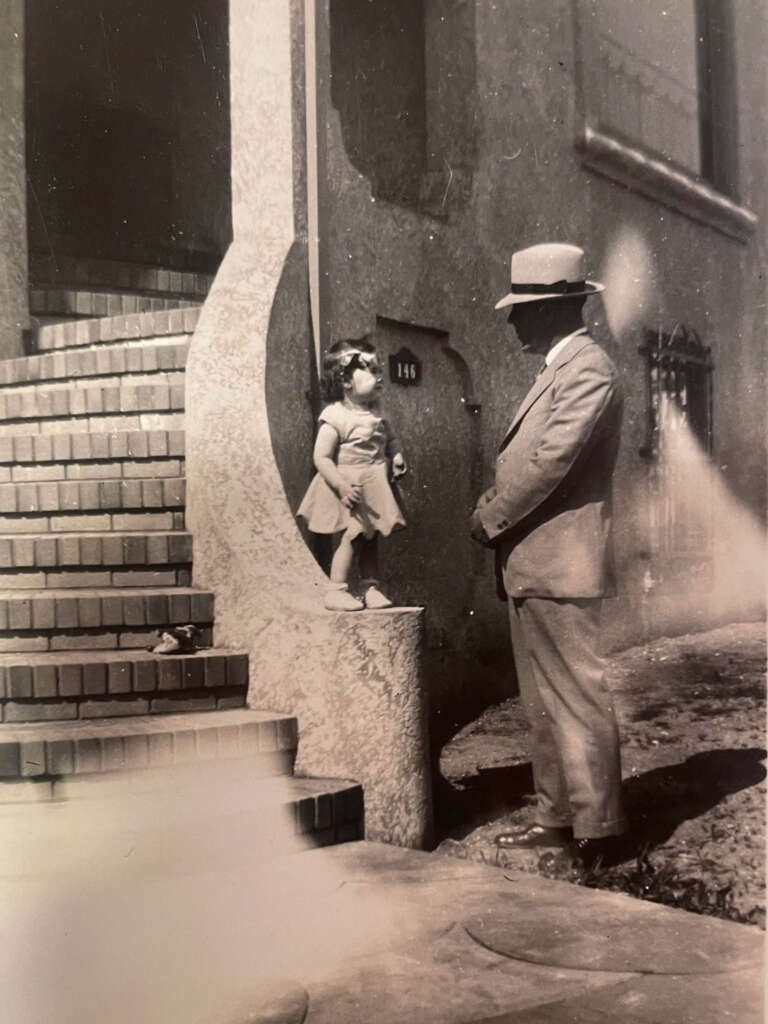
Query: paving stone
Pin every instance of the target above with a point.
(623, 937)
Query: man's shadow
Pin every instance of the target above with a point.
(660, 800)
(656, 802)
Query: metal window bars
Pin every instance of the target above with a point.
(679, 421)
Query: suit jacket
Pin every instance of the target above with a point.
(549, 515)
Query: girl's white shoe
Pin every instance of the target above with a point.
(339, 599)
(373, 597)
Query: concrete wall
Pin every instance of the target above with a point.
(128, 130)
(14, 307)
(428, 269)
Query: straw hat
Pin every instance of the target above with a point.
(549, 271)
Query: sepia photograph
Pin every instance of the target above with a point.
(383, 500)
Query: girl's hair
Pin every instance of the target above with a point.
(339, 363)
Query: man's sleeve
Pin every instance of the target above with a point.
(578, 403)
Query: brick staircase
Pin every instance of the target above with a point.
(95, 561)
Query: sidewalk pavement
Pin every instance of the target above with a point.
(205, 911)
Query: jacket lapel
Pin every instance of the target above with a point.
(540, 385)
(544, 380)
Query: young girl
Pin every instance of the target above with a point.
(350, 493)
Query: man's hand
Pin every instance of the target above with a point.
(399, 467)
(349, 494)
(476, 528)
(477, 531)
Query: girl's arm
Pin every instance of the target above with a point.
(324, 458)
(395, 454)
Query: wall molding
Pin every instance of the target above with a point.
(640, 171)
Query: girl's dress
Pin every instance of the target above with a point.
(362, 459)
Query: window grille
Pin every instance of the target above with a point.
(679, 437)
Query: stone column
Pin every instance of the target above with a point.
(352, 680)
(14, 300)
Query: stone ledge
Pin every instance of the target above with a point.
(654, 177)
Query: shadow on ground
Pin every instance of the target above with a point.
(656, 801)
(660, 800)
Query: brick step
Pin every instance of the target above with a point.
(41, 561)
(17, 399)
(76, 333)
(91, 522)
(77, 578)
(96, 424)
(140, 638)
(99, 619)
(70, 685)
(123, 469)
(82, 747)
(59, 303)
(120, 275)
(94, 550)
(195, 814)
(198, 808)
(169, 702)
(92, 495)
(104, 360)
(94, 399)
(67, 674)
(84, 447)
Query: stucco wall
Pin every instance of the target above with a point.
(438, 265)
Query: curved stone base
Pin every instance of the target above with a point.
(353, 680)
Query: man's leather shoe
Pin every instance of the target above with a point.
(525, 837)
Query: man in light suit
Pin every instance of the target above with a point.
(549, 519)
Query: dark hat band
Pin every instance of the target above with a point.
(561, 287)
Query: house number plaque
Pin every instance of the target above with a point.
(405, 368)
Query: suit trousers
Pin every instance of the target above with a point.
(574, 735)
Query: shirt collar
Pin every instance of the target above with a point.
(556, 349)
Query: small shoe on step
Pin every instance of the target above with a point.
(177, 639)
(373, 597)
(339, 599)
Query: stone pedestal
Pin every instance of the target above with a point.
(14, 302)
(352, 680)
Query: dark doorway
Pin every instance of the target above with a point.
(127, 121)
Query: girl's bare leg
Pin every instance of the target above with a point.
(337, 596)
(368, 560)
(368, 556)
(342, 559)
